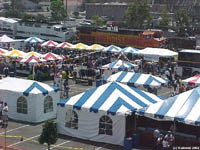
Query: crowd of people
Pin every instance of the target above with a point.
(163, 142)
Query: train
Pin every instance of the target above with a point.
(121, 37)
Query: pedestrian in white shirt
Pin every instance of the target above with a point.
(1, 108)
(5, 115)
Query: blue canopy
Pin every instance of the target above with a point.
(33, 40)
(112, 98)
(131, 50)
(183, 108)
(137, 79)
(120, 65)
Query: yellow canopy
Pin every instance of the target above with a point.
(96, 47)
(80, 46)
(32, 53)
(14, 53)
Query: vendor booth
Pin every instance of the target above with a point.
(192, 81)
(137, 79)
(29, 100)
(100, 114)
(118, 65)
(153, 54)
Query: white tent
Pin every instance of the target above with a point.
(99, 114)
(6, 39)
(29, 100)
(155, 53)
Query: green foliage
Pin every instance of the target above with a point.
(6, 6)
(97, 21)
(28, 17)
(182, 18)
(57, 10)
(165, 20)
(30, 77)
(138, 15)
(49, 133)
(13, 13)
(40, 18)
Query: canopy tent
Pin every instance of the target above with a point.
(131, 50)
(14, 53)
(112, 48)
(80, 46)
(6, 39)
(192, 81)
(32, 60)
(3, 51)
(49, 44)
(155, 53)
(96, 47)
(137, 79)
(29, 100)
(51, 57)
(32, 53)
(119, 65)
(183, 108)
(64, 45)
(112, 100)
(33, 40)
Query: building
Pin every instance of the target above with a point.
(8, 26)
(114, 11)
(72, 5)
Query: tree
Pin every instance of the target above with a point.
(49, 133)
(40, 18)
(58, 11)
(182, 20)
(165, 19)
(138, 15)
(97, 21)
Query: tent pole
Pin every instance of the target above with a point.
(33, 71)
(174, 130)
(135, 124)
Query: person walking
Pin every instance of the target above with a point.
(5, 115)
(1, 108)
(66, 89)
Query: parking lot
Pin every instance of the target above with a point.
(24, 136)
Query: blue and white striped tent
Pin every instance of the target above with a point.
(137, 79)
(112, 48)
(131, 50)
(112, 100)
(33, 40)
(183, 108)
(120, 65)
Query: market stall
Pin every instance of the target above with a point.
(85, 115)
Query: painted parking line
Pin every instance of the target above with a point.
(28, 139)
(101, 147)
(14, 129)
(54, 146)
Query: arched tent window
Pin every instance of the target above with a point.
(71, 119)
(22, 106)
(105, 125)
(48, 104)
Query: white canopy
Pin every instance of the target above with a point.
(6, 39)
(156, 52)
